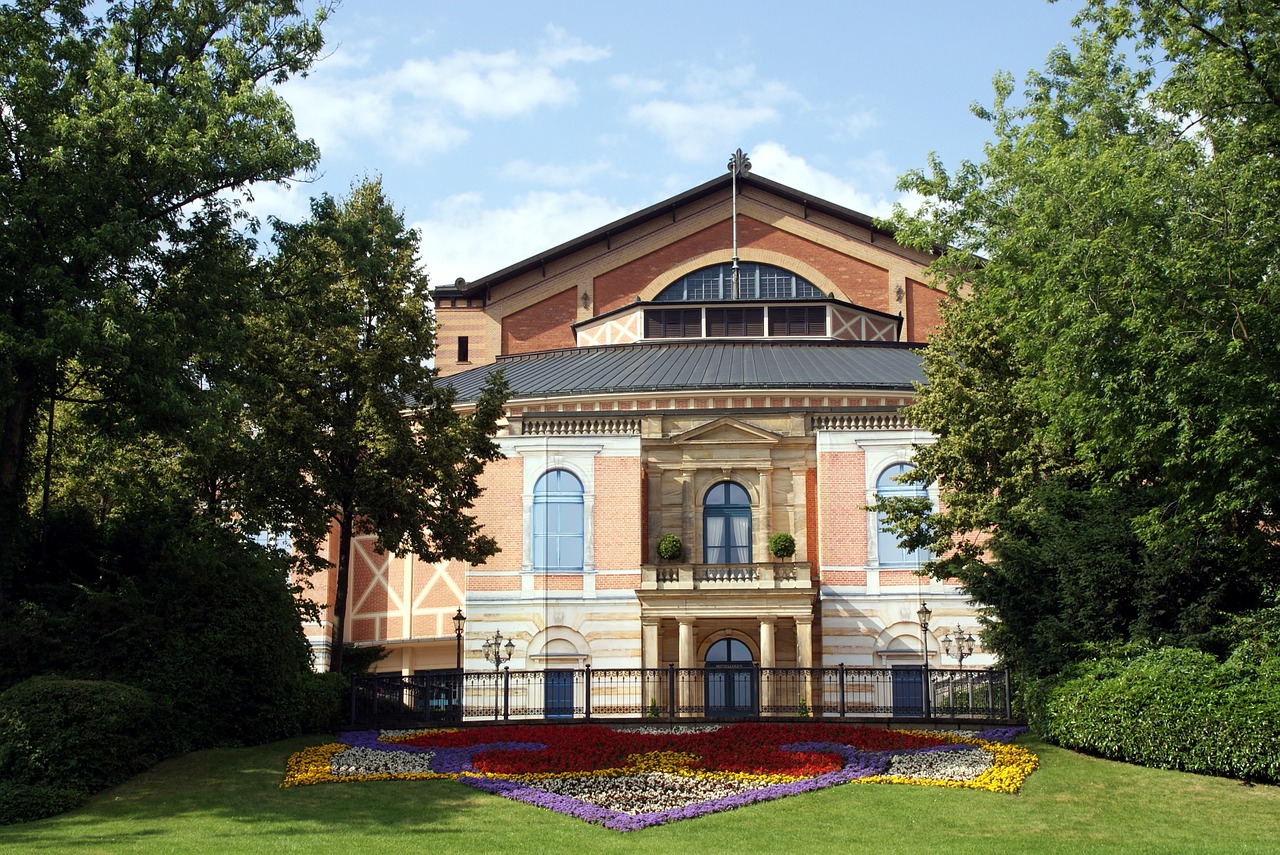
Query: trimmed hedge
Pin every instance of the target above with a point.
(1169, 708)
(61, 740)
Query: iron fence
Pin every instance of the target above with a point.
(671, 694)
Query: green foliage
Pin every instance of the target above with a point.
(1168, 708)
(358, 661)
(1103, 386)
(803, 709)
(27, 802)
(353, 429)
(60, 738)
(670, 547)
(131, 132)
(782, 545)
(176, 605)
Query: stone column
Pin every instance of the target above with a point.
(768, 659)
(804, 652)
(653, 679)
(684, 689)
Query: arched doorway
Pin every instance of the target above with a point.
(731, 678)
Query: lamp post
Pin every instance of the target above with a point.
(963, 644)
(923, 613)
(498, 653)
(459, 621)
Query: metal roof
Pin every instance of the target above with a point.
(700, 366)
(667, 208)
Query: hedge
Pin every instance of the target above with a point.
(1168, 708)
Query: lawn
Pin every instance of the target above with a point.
(231, 801)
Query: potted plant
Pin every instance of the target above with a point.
(670, 548)
(782, 545)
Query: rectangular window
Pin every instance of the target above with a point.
(672, 323)
(797, 320)
(740, 322)
(464, 349)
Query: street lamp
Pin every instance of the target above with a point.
(459, 620)
(962, 643)
(924, 614)
(497, 653)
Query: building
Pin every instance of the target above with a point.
(654, 396)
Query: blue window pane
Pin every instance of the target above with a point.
(558, 522)
(887, 546)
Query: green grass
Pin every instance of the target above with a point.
(230, 801)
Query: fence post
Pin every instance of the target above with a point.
(506, 693)
(844, 709)
(1008, 695)
(588, 691)
(671, 690)
(354, 683)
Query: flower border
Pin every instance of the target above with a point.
(452, 754)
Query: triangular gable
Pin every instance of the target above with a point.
(726, 430)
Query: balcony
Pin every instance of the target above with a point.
(763, 576)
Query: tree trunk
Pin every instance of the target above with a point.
(340, 596)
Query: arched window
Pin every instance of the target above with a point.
(755, 282)
(887, 548)
(558, 532)
(726, 525)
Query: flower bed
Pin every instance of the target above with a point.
(630, 778)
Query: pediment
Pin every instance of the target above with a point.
(726, 431)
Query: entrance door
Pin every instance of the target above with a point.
(731, 680)
(559, 694)
(908, 691)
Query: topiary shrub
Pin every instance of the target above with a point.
(62, 740)
(782, 545)
(1169, 708)
(670, 548)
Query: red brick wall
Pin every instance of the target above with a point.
(618, 513)
(862, 283)
(500, 509)
(542, 326)
(843, 515)
(924, 310)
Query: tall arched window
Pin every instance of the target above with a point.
(726, 525)
(887, 548)
(558, 532)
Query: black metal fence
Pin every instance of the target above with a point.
(671, 694)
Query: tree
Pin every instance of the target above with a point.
(1103, 386)
(356, 435)
(128, 132)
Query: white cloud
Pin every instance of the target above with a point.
(461, 237)
(553, 174)
(425, 104)
(696, 131)
(858, 122)
(718, 107)
(773, 161)
(636, 87)
(559, 48)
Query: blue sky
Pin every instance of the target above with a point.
(503, 128)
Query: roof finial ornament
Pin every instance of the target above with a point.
(738, 165)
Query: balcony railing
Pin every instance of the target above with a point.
(769, 576)
(873, 695)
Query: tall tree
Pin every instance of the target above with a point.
(1104, 387)
(356, 434)
(128, 131)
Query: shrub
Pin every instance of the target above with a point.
(61, 740)
(670, 547)
(1168, 708)
(782, 545)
